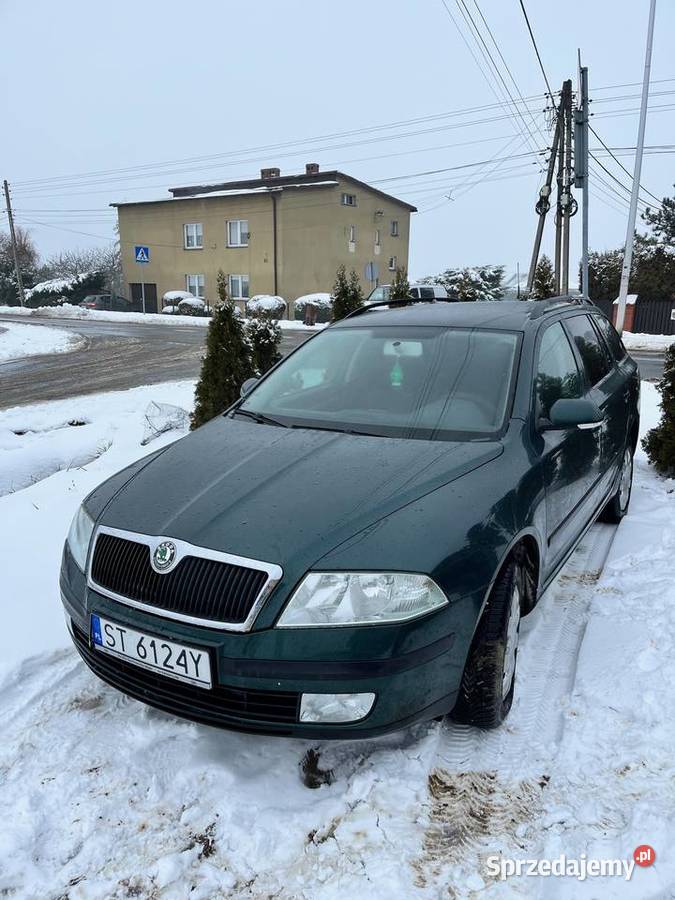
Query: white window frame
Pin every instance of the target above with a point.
(348, 199)
(193, 231)
(242, 284)
(352, 234)
(394, 230)
(392, 264)
(199, 290)
(241, 232)
(378, 237)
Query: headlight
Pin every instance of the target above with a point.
(360, 598)
(79, 536)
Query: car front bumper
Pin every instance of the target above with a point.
(414, 669)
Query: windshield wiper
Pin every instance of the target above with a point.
(260, 418)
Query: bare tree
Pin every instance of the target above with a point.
(67, 263)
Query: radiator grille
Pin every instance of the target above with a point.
(202, 588)
(231, 707)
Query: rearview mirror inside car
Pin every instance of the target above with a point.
(247, 386)
(575, 413)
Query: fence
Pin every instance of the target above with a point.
(651, 316)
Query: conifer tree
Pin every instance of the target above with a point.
(264, 336)
(543, 285)
(355, 292)
(400, 286)
(227, 363)
(344, 300)
(659, 443)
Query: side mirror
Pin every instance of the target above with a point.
(577, 413)
(247, 386)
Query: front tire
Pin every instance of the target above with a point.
(617, 506)
(488, 681)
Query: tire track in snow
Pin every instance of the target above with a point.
(485, 784)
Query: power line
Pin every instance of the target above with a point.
(613, 177)
(619, 163)
(536, 50)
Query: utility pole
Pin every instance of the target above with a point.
(544, 203)
(567, 207)
(12, 233)
(581, 168)
(557, 253)
(518, 280)
(637, 174)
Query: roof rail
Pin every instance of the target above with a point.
(541, 307)
(395, 303)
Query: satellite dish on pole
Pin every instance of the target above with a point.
(371, 271)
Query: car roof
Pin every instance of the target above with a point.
(511, 315)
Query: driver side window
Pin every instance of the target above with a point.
(557, 376)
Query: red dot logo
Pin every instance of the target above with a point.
(644, 855)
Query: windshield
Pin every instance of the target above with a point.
(414, 382)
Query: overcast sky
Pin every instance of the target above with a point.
(88, 88)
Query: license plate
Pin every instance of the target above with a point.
(151, 652)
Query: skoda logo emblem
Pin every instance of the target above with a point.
(164, 556)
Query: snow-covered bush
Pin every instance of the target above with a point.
(65, 290)
(267, 304)
(192, 307)
(323, 302)
(173, 298)
(659, 443)
(170, 310)
(264, 335)
(471, 282)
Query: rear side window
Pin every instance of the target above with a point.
(593, 355)
(558, 375)
(611, 337)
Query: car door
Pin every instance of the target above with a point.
(570, 457)
(625, 388)
(606, 383)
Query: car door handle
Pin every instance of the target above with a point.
(590, 426)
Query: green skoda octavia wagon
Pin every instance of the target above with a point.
(349, 549)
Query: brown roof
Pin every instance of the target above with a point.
(281, 181)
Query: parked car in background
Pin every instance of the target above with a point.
(350, 547)
(107, 301)
(380, 294)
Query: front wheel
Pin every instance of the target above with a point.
(488, 682)
(617, 506)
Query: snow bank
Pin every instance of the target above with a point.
(51, 456)
(27, 340)
(68, 311)
(647, 341)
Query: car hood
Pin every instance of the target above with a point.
(283, 495)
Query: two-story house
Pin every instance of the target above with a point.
(277, 234)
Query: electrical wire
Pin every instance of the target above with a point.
(620, 164)
(536, 50)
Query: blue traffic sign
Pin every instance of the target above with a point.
(142, 254)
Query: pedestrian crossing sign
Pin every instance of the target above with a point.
(142, 254)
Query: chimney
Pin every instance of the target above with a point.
(272, 172)
(312, 169)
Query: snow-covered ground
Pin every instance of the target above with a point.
(653, 342)
(68, 311)
(102, 797)
(26, 340)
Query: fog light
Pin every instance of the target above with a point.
(335, 707)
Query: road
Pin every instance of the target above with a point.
(651, 364)
(116, 356)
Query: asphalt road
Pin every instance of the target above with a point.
(115, 356)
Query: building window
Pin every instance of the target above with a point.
(239, 287)
(352, 234)
(237, 233)
(195, 285)
(348, 200)
(377, 237)
(193, 236)
(394, 228)
(392, 263)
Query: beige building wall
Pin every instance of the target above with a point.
(313, 239)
